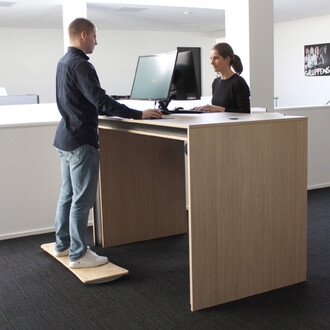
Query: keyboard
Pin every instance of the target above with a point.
(187, 111)
(179, 110)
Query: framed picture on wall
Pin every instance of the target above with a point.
(317, 60)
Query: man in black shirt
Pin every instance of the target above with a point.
(80, 99)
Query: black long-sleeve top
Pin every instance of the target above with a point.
(233, 94)
(80, 99)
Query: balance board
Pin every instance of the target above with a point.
(92, 275)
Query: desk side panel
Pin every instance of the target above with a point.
(248, 209)
(142, 185)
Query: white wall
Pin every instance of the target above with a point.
(29, 58)
(290, 83)
(318, 143)
(28, 61)
(116, 55)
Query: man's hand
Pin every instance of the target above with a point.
(151, 113)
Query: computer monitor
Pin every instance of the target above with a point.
(164, 77)
(184, 84)
(153, 77)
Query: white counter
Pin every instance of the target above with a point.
(318, 142)
(29, 115)
(30, 172)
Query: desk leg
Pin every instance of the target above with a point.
(248, 209)
(142, 186)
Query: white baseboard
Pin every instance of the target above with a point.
(32, 232)
(27, 233)
(319, 186)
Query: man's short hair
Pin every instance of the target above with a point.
(79, 25)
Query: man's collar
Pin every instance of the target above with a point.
(77, 51)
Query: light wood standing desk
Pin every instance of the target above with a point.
(247, 191)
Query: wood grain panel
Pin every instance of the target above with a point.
(248, 209)
(142, 186)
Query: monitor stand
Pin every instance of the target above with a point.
(162, 106)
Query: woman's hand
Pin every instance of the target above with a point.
(210, 108)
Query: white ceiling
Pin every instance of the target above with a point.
(48, 14)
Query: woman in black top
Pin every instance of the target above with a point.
(230, 92)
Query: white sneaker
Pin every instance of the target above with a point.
(62, 253)
(90, 259)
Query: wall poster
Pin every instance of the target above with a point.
(317, 60)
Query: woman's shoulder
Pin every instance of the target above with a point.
(241, 85)
(216, 81)
(237, 77)
(239, 80)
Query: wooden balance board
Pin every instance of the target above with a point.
(92, 275)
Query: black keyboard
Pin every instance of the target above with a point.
(175, 110)
(186, 111)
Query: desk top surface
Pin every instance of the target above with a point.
(45, 114)
(185, 121)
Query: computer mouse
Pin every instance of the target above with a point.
(178, 108)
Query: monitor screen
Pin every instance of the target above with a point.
(153, 76)
(184, 84)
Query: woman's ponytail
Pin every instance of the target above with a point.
(236, 63)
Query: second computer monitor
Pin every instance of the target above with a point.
(184, 83)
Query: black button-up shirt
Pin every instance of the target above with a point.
(80, 99)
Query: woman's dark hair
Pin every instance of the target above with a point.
(225, 50)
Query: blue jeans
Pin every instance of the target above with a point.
(80, 171)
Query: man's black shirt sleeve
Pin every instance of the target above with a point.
(88, 83)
